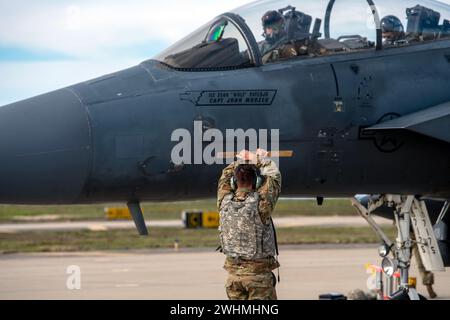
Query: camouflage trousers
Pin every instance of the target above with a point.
(259, 286)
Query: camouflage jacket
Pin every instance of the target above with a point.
(268, 192)
(250, 267)
(242, 233)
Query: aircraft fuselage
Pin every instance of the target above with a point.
(109, 139)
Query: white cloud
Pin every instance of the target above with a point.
(27, 79)
(97, 33)
(88, 28)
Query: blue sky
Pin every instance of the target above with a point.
(49, 44)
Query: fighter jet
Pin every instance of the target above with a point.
(350, 111)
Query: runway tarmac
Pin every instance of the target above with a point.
(307, 271)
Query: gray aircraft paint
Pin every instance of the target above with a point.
(109, 138)
(368, 122)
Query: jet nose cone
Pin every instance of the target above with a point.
(45, 149)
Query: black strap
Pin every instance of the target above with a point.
(275, 236)
(276, 245)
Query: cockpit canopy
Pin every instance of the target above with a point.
(310, 29)
(219, 44)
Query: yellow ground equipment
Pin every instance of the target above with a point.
(210, 219)
(195, 219)
(118, 214)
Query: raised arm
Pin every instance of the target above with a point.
(224, 186)
(270, 190)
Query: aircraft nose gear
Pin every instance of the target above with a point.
(408, 212)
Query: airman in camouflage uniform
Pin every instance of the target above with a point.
(250, 277)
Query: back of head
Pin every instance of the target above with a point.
(246, 176)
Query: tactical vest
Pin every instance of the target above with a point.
(242, 233)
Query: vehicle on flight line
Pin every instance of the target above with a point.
(359, 116)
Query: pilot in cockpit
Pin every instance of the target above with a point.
(393, 31)
(275, 46)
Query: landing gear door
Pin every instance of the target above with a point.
(426, 240)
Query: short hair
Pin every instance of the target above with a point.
(245, 175)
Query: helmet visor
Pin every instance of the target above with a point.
(276, 26)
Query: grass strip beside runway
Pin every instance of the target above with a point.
(75, 241)
(166, 210)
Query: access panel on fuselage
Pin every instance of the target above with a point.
(384, 85)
